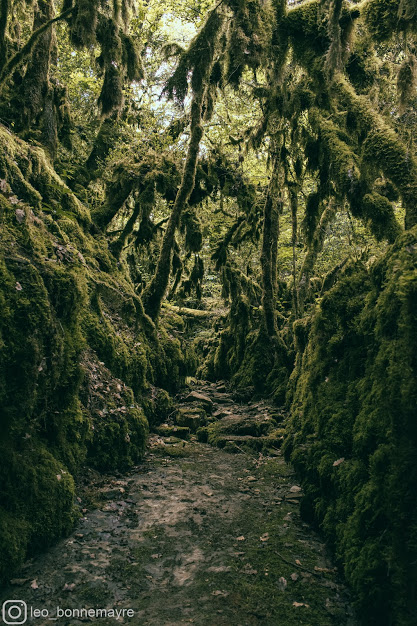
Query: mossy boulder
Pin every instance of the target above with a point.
(119, 439)
(37, 502)
(192, 417)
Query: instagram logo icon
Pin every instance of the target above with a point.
(14, 612)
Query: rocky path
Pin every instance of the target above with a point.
(206, 531)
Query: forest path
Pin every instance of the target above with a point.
(194, 535)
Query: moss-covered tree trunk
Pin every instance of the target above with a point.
(156, 289)
(8, 68)
(269, 251)
(155, 292)
(313, 250)
(293, 192)
(4, 14)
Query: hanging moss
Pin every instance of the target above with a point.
(131, 59)
(337, 156)
(83, 24)
(383, 149)
(111, 96)
(383, 224)
(312, 215)
(407, 80)
(383, 18)
(195, 60)
(193, 232)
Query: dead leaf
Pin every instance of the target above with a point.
(325, 570)
(241, 538)
(338, 462)
(59, 476)
(264, 537)
(20, 214)
(282, 583)
(219, 593)
(294, 576)
(295, 489)
(69, 587)
(34, 584)
(297, 561)
(298, 604)
(18, 286)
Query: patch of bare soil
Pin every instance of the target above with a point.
(194, 535)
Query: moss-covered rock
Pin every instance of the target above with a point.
(352, 434)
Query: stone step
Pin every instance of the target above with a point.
(241, 443)
(166, 430)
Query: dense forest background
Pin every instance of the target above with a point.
(224, 191)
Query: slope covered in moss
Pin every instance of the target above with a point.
(81, 365)
(353, 432)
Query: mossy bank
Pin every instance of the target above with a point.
(81, 365)
(352, 435)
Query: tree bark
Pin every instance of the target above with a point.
(313, 251)
(155, 292)
(270, 235)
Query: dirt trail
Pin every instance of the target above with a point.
(194, 535)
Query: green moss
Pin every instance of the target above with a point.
(119, 439)
(382, 18)
(14, 534)
(382, 150)
(352, 434)
(77, 357)
(158, 406)
(379, 210)
(39, 492)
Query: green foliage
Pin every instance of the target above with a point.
(180, 197)
(119, 442)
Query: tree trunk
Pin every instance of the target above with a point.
(9, 67)
(294, 226)
(4, 15)
(272, 209)
(155, 292)
(313, 251)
